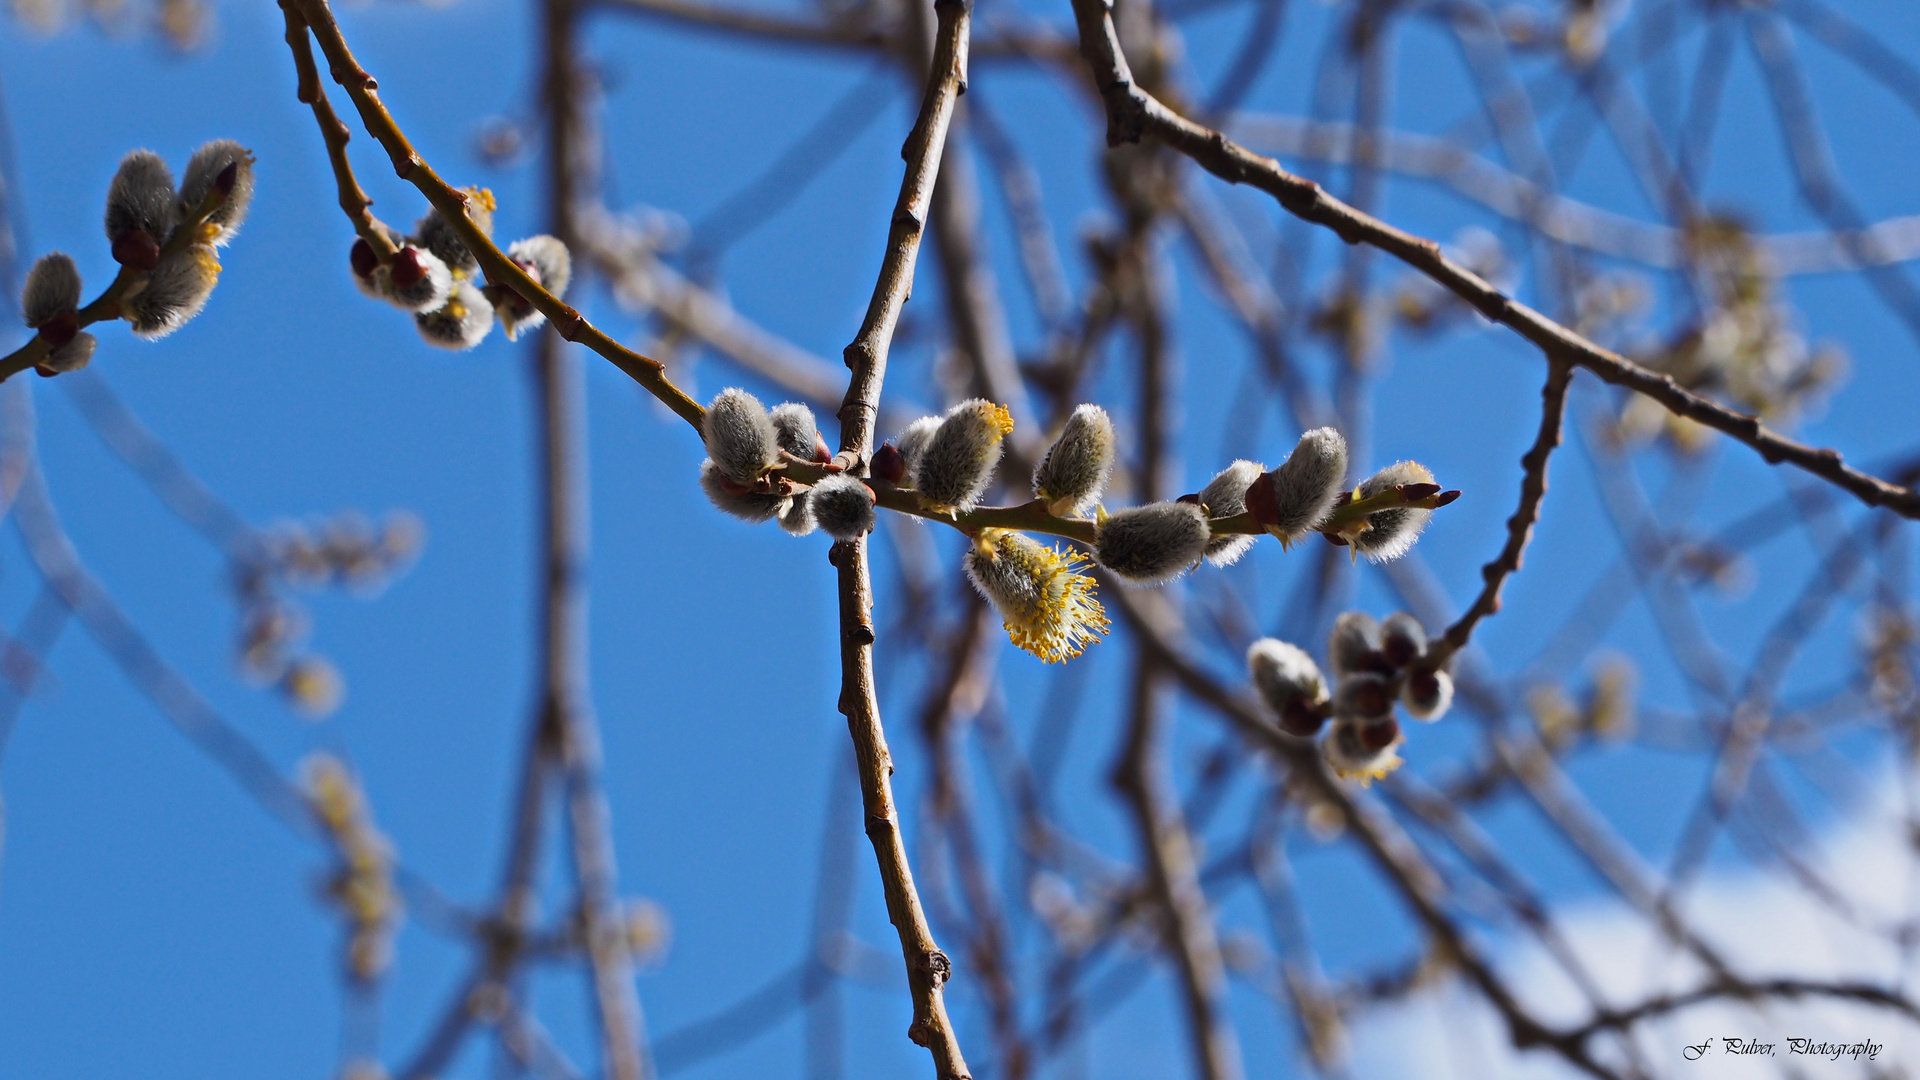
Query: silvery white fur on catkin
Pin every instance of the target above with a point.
(1305, 485)
(1153, 543)
(740, 436)
(1078, 464)
(1224, 496)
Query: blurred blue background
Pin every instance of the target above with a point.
(154, 922)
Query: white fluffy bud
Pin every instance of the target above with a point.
(1074, 473)
(1152, 544)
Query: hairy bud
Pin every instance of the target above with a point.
(548, 262)
(954, 469)
(1152, 544)
(1427, 694)
(1402, 639)
(1363, 750)
(141, 197)
(740, 435)
(53, 288)
(460, 323)
(797, 518)
(1299, 495)
(794, 429)
(435, 233)
(1046, 605)
(415, 280)
(1226, 496)
(1364, 695)
(738, 499)
(913, 441)
(1391, 533)
(72, 356)
(1074, 473)
(203, 173)
(1354, 645)
(1289, 682)
(843, 506)
(172, 292)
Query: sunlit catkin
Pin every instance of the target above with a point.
(460, 323)
(53, 289)
(1427, 694)
(842, 506)
(954, 469)
(1354, 644)
(795, 429)
(1361, 750)
(438, 235)
(1391, 533)
(172, 292)
(141, 198)
(1074, 473)
(1298, 495)
(740, 435)
(414, 280)
(1046, 605)
(738, 499)
(548, 262)
(203, 172)
(1152, 544)
(1226, 496)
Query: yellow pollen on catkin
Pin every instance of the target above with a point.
(1047, 608)
(1003, 419)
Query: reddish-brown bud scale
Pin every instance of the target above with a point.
(137, 249)
(1415, 492)
(363, 259)
(1302, 719)
(1262, 505)
(889, 464)
(1424, 683)
(1379, 734)
(1372, 698)
(823, 453)
(223, 184)
(1446, 497)
(60, 329)
(1334, 538)
(1191, 500)
(407, 268)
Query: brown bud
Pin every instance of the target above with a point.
(1261, 503)
(1446, 497)
(363, 259)
(823, 453)
(1379, 734)
(888, 463)
(60, 329)
(1334, 538)
(1192, 499)
(407, 269)
(223, 184)
(137, 249)
(1302, 718)
(1416, 492)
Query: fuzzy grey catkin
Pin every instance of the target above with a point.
(913, 441)
(1305, 485)
(740, 436)
(1363, 751)
(1354, 644)
(797, 518)
(956, 466)
(754, 506)
(1225, 496)
(794, 429)
(141, 197)
(202, 171)
(72, 356)
(1073, 475)
(1391, 533)
(460, 323)
(1152, 544)
(53, 288)
(175, 290)
(435, 233)
(1427, 694)
(548, 262)
(1283, 675)
(842, 506)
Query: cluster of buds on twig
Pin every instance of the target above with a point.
(163, 237)
(345, 552)
(361, 886)
(434, 275)
(1375, 664)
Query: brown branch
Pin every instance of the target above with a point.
(354, 201)
(1132, 113)
(927, 967)
(1533, 488)
(452, 204)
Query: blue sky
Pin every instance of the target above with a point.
(154, 922)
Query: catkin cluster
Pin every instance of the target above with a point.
(434, 275)
(946, 465)
(1375, 664)
(362, 885)
(162, 236)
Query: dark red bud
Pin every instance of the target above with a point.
(1372, 698)
(823, 453)
(229, 176)
(1415, 492)
(1302, 719)
(1380, 734)
(1423, 684)
(1262, 505)
(60, 329)
(1446, 497)
(1343, 499)
(137, 249)
(408, 268)
(1377, 662)
(1191, 500)
(44, 371)
(1400, 650)
(889, 463)
(733, 487)
(1334, 538)
(363, 259)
